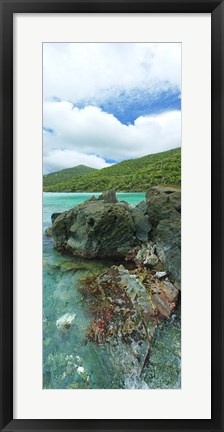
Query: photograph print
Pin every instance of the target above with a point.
(111, 216)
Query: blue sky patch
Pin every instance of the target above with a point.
(128, 106)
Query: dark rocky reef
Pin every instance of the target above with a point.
(127, 306)
(127, 303)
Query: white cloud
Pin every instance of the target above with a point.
(92, 73)
(89, 136)
(98, 71)
(59, 159)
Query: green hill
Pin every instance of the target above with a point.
(66, 175)
(130, 175)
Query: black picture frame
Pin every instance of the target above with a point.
(7, 9)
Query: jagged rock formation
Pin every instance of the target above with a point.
(95, 229)
(127, 306)
(164, 210)
(148, 234)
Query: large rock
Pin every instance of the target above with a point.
(164, 210)
(168, 246)
(163, 203)
(95, 229)
(106, 228)
(142, 224)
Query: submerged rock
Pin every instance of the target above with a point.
(64, 322)
(67, 371)
(127, 305)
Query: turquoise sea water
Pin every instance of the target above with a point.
(68, 360)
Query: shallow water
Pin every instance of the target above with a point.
(70, 362)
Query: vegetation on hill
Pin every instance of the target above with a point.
(130, 175)
(66, 175)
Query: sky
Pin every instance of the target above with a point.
(106, 102)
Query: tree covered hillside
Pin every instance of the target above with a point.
(66, 175)
(130, 175)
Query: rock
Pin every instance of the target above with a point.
(168, 246)
(142, 224)
(54, 216)
(48, 232)
(131, 206)
(161, 274)
(170, 291)
(119, 304)
(151, 260)
(64, 322)
(132, 254)
(106, 228)
(175, 200)
(164, 208)
(92, 198)
(163, 203)
(165, 298)
(108, 197)
(95, 229)
(143, 206)
(126, 305)
(146, 255)
(80, 370)
(177, 284)
(124, 203)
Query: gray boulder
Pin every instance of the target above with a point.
(163, 203)
(164, 210)
(95, 229)
(142, 224)
(168, 246)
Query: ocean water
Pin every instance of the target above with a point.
(69, 361)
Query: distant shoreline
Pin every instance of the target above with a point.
(129, 175)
